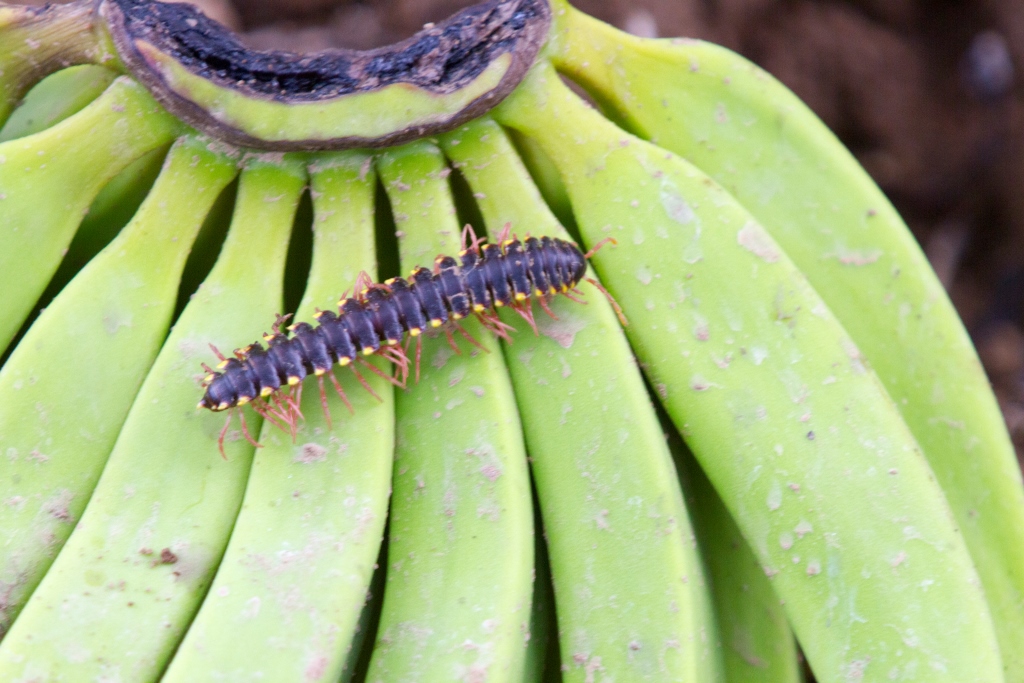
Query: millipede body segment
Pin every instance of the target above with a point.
(379, 316)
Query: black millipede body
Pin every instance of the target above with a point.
(379, 316)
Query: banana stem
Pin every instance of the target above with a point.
(35, 42)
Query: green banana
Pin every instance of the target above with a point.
(545, 176)
(304, 545)
(758, 644)
(106, 327)
(458, 592)
(48, 180)
(35, 42)
(726, 326)
(755, 137)
(619, 537)
(113, 208)
(55, 98)
(121, 593)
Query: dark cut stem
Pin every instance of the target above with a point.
(438, 62)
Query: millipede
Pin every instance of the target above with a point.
(375, 320)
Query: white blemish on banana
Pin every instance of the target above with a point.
(752, 238)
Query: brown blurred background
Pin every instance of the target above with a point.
(928, 94)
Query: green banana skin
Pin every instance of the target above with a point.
(35, 42)
(48, 180)
(124, 588)
(758, 643)
(751, 134)
(55, 98)
(458, 589)
(106, 327)
(796, 434)
(110, 212)
(619, 536)
(546, 177)
(306, 540)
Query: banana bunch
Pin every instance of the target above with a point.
(756, 434)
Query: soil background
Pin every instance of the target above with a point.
(929, 94)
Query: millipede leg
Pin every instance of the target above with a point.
(470, 242)
(451, 341)
(264, 410)
(597, 246)
(217, 353)
(288, 411)
(471, 339)
(362, 381)
(570, 297)
(223, 433)
(280, 320)
(210, 372)
(363, 282)
(296, 404)
(323, 401)
(526, 312)
(341, 392)
(398, 357)
(543, 301)
(419, 355)
(611, 300)
(380, 373)
(408, 342)
(245, 430)
(492, 323)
